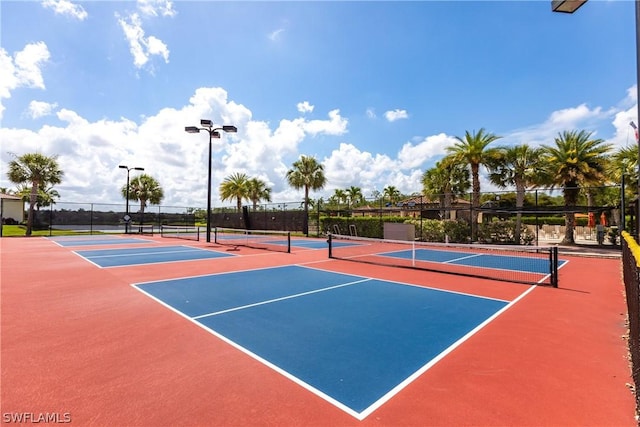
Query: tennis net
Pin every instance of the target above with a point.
(520, 264)
(279, 241)
(187, 232)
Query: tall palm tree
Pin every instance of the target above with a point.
(46, 195)
(37, 170)
(235, 186)
(517, 166)
(623, 169)
(625, 161)
(339, 196)
(144, 188)
(258, 190)
(575, 160)
(306, 173)
(354, 195)
(472, 150)
(392, 193)
(446, 181)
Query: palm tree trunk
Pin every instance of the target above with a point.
(519, 204)
(33, 199)
(475, 200)
(305, 224)
(570, 200)
(447, 205)
(143, 203)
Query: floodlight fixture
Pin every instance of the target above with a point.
(566, 6)
(207, 125)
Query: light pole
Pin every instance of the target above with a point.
(127, 218)
(570, 6)
(207, 126)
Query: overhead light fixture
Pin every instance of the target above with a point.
(566, 6)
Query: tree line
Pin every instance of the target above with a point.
(574, 162)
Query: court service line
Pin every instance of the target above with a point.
(461, 258)
(139, 253)
(280, 299)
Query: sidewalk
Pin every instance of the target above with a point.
(585, 247)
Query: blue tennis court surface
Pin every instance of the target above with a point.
(502, 262)
(98, 239)
(147, 255)
(354, 341)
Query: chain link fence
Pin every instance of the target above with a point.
(631, 275)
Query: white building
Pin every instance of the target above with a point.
(11, 208)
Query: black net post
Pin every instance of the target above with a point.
(329, 241)
(554, 266)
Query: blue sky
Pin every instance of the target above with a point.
(376, 91)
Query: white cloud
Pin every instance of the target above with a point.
(305, 107)
(624, 134)
(276, 34)
(413, 156)
(348, 165)
(580, 117)
(396, 114)
(632, 94)
(335, 126)
(156, 8)
(141, 47)
(569, 117)
(90, 151)
(66, 7)
(371, 113)
(23, 70)
(155, 46)
(39, 109)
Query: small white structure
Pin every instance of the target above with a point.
(399, 231)
(11, 207)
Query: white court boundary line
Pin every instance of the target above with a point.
(186, 250)
(387, 396)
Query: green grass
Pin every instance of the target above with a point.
(20, 230)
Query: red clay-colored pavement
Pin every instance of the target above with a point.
(80, 343)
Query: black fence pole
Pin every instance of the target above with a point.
(51, 220)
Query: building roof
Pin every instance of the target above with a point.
(9, 197)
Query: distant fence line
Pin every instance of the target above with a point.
(105, 217)
(289, 216)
